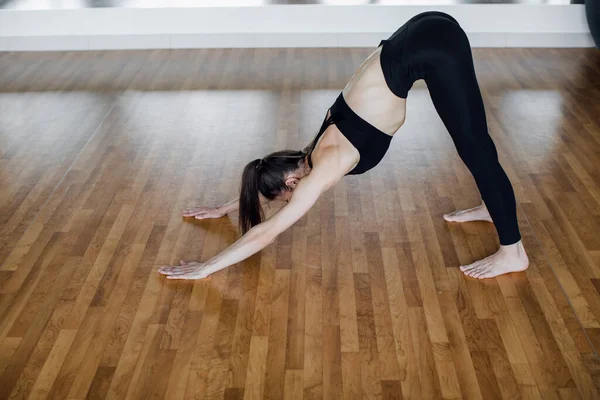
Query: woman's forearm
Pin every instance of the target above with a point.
(251, 243)
(233, 205)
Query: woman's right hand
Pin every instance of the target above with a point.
(203, 212)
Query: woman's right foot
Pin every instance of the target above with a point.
(479, 213)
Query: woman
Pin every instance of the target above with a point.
(356, 134)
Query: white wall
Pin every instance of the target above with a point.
(488, 25)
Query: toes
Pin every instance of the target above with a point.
(466, 268)
(471, 271)
(480, 272)
(451, 216)
(490, 273)
(483, 270)
(486, 275)
(474, 272)
(476, 269)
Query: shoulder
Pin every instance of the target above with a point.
(334, 155)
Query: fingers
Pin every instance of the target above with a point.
(178, 276)
(174, 270)
(196, 210)
(193, 213)
(188, 276)
(189, 210)
(188, 273)
(200, 214)
(183, 269)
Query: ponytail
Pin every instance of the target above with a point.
(251, 212)
(267, 177)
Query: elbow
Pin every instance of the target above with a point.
(261, 235)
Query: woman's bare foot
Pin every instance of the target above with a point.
(510, 258)
(479, 213)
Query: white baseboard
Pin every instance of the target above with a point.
(487, 25)
(128, 42)
(549, 40)
(270, 40)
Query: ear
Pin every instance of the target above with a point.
(291, 182)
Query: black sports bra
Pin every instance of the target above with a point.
(371, 143)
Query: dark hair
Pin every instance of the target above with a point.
(265, 176)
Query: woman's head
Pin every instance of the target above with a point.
(274, 177)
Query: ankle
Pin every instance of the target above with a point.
(515, 249)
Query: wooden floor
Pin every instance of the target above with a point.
(362, 298)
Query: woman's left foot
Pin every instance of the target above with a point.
(479, 213)
(508, 259)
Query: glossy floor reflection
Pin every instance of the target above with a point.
(74, 4)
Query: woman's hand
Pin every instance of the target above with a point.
(203, 212)
(191, 270)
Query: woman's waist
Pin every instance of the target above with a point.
(377, 106)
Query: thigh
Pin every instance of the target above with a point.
(457, 98)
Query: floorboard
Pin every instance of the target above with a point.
(361, 298)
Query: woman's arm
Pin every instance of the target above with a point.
(232, 206)
(305, 195)
(204, 212)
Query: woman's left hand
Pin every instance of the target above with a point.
(191, 270)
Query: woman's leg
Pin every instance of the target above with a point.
(456, 97)
(431, 14)
(419, 17)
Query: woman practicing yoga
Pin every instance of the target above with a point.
(355, 136)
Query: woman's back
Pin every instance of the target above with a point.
(368, 95)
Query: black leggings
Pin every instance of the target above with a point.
(433, 47)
